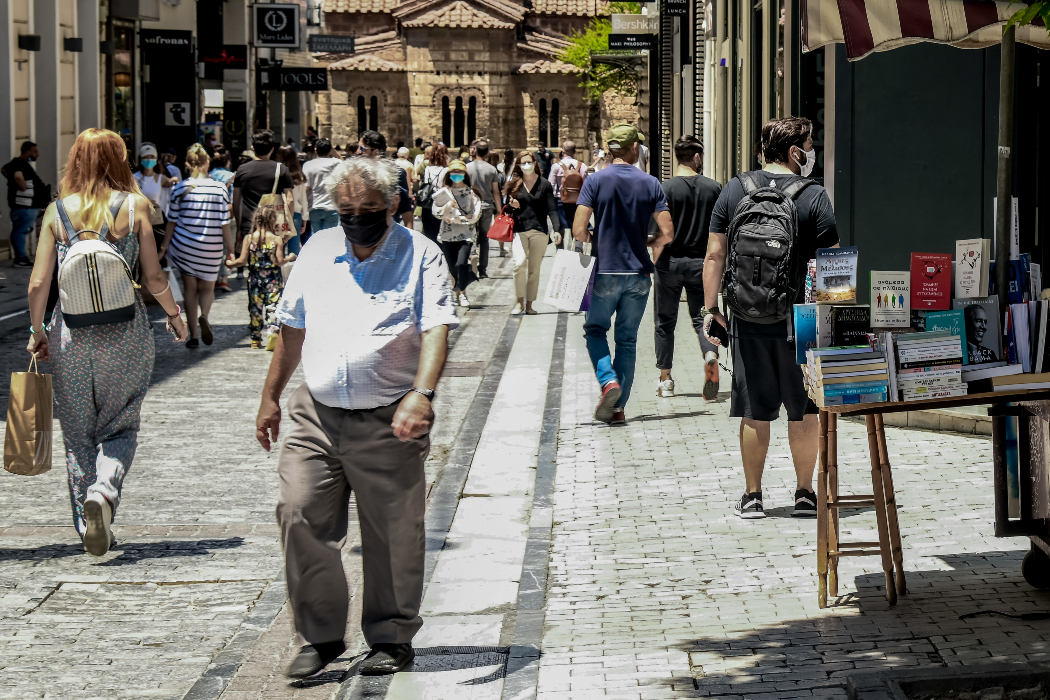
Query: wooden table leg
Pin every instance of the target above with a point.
(833, 494)
(822, 512)
(880, 508)
(891, 507)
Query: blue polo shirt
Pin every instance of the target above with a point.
(624, 200)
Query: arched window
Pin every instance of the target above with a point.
(373, 114)
(472, 119)
(457, 124)
(362, 115)
(553, 130)
(446, 122)
(543, 121)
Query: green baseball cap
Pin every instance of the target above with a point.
(622, 136)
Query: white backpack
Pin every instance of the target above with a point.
(95, 284)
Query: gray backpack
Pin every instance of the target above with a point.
(95, 284)
(764, 271)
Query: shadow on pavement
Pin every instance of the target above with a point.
(43, 553)
(861, 633)
(134, 552)
(670, 416)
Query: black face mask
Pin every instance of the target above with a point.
(365, 229)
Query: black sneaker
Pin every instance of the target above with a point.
(805, 504)
(750, 506)
(22, 262)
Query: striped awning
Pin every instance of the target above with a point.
(865, 26)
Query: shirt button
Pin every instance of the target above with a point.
(342, 383)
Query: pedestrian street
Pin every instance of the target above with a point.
(566, 559)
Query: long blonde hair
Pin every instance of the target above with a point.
(198, 160)
(97, 166)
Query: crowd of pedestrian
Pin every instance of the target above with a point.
(368, 308)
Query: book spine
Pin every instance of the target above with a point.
(931, 363)
(928, 368)
(855, 398)
(945, 382)
(848, 389)
(909, 355)
(914, 394)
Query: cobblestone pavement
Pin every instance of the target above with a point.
(649, 587)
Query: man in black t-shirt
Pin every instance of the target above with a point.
(690, 197)
(255, 179)
(372, 144)
(25, 190)
(544, 158)
(765, 374)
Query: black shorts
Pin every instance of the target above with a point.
(765, 374)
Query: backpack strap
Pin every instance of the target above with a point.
(749, 183)
(63, 216)
(114, 209)
(794, 188)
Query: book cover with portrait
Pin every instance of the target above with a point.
(983, 334)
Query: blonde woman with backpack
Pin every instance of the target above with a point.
(100, 339)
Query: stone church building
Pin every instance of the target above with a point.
(456, 70)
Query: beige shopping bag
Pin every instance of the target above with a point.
(284, 226)
(27, 444)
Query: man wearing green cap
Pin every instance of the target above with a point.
(624, 200)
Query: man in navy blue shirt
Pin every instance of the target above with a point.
(373, 145)
(624, 200)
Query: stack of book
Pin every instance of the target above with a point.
(929, 365)
(846, 375)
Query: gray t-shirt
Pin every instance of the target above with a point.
(482, 175)
(316, 171)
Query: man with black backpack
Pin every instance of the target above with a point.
(766, 225)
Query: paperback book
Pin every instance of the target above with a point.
(1018, 275)
(805, 330)
(931, 281)
(952, 321)
(824, 325)
(971, 268)
(836, 281)
(983, 334)
(850, 324)
(890, 299)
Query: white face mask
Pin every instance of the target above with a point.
(811, 160)
(527, 168)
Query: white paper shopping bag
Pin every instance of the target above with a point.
(569, 279)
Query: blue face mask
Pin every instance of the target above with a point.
(456, 177)
(149, 163)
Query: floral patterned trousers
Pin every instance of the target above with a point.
(264, 289)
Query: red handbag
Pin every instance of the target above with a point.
(502, 228)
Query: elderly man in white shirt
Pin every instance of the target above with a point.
(367, 309)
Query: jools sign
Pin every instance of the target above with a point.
(276, 25)
(293, 79)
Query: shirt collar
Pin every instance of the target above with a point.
(387, 250)
(777, 169)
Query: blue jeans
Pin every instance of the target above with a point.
(320, 219)
(22, 222)
(294, 243)
(625, 296)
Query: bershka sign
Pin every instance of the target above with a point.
(635, 24)
(293, 79)
(166, 39)
(276, 25)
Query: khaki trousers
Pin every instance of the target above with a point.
(527, 254)
(328, 453)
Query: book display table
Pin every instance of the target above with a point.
(1031, 407)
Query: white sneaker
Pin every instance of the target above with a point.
(463, 300)
(97, 514)
(518, 310)
(665, 388)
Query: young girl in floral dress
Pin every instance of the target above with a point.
(263, 251)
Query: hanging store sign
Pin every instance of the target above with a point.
(675, 8)
(293, 79)
(276, 25)
(635, 24)
(626, 42)
(331, 43)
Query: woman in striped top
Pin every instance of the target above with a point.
(198, 224)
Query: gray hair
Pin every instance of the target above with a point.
(376, 173)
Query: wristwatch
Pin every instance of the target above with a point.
(429, 393)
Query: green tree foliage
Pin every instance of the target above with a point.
(599, 78)
(1039, 8)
